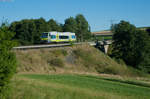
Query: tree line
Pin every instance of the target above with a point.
(28, 31)
(132, 45)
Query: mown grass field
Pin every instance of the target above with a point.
(104, 37)
(69, 86)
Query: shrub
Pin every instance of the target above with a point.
(64, 52)
(85, 56)
(59, 52)
(56, 62)
(131, 45)
(7, 59)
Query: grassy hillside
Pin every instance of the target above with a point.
(31, 86)
(61, 73)
(75, 59)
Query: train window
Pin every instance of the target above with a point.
(53, 36)
(73, 37)
(63, 37)
(44, 35)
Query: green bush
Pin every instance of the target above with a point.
(56, 62)
(119, 61)
(59, 52)
(7, 59)
(86, 57)
(131, 45)
(64, 52)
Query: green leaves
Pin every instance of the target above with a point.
(70, 25)
(131, 44)
(7, 58)
(83, 31)
(78, 25)
(54, 25)
(28, 31)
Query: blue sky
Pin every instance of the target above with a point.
(99, 13)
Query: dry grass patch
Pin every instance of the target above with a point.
(77, 58)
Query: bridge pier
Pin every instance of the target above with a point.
(106, 48)
(103, 45)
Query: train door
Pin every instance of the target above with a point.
(49, 39)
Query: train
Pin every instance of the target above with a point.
(57, 37)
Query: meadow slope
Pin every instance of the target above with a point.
(33, 86)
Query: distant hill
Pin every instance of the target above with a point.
(143, 28)
(108, 32)
(104, 32)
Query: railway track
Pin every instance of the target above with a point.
(49, 46)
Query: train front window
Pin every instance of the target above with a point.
(63, 37)
(44, 35)
(73, 36)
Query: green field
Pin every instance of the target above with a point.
(65, 86)
(104, 37)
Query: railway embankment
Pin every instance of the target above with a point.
(75, 59)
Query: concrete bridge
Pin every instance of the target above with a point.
(103, 45)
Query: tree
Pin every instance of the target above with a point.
(70, 25)
(142, 50)
(7, 58)
(83, 32)
(130, 44)
(24, 31)
(54, 25)
(29, 31)
(41, 26)
(124, 41)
